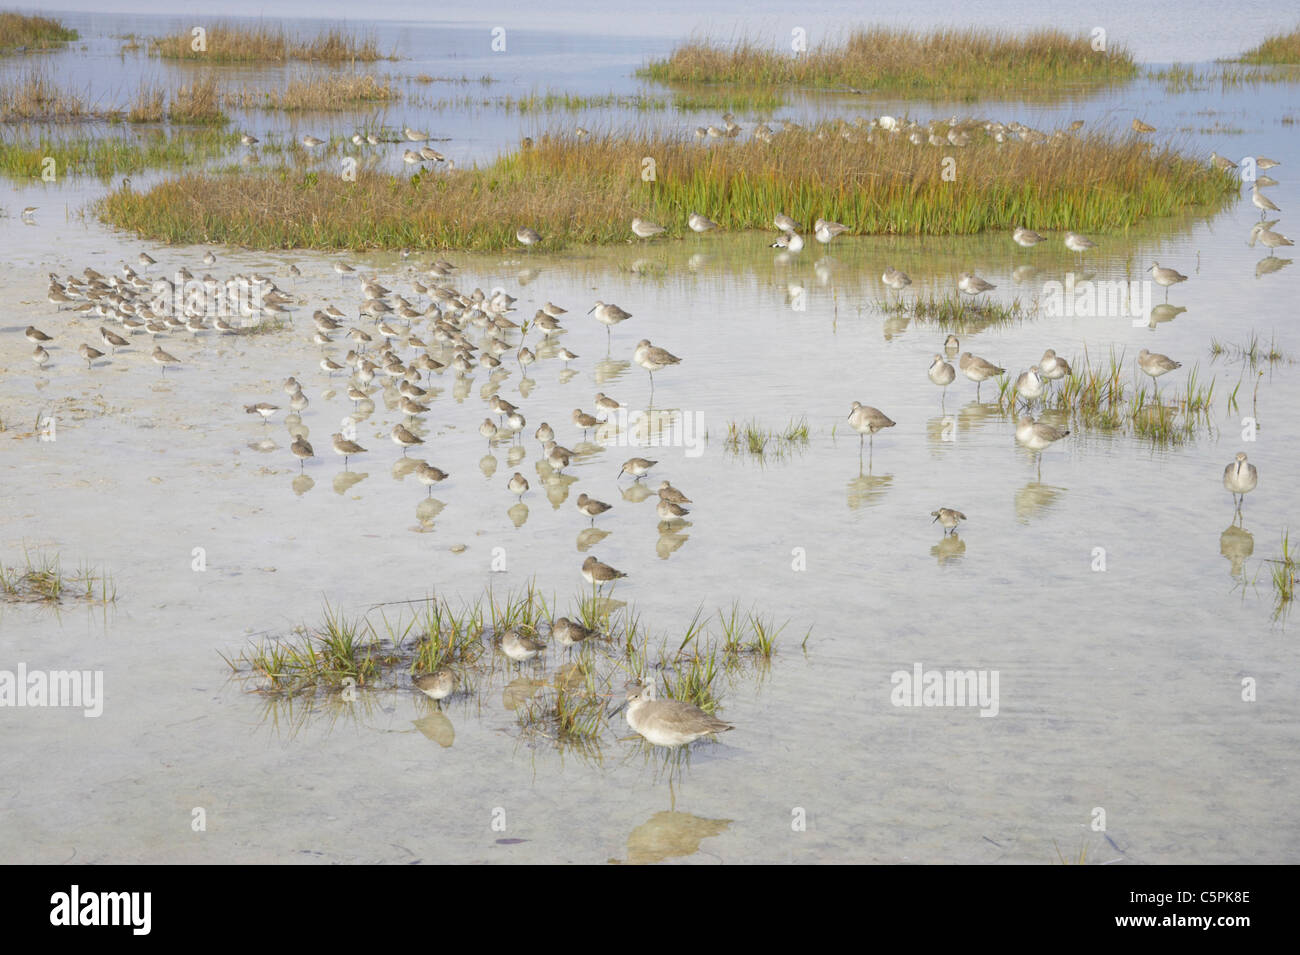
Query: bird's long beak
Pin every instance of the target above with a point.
(618, 709)
(590, 310)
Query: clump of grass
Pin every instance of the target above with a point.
(584, 191)
(755, 439)
(149, 105)
(1181, 78)
(34, 97)
(1284, 576)
(40, 578)
(1251, 353)
(263, 43)
(1282, 48)
(317, 92)
(199, 103)
(107, 156)
(907, 62)
(20, 31)
(952, 313)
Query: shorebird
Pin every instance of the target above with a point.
(1262, 202)
(948, 518)
(866, 420)
(1030, 385)
(1268, 238)
(598, 574)
(972, 284)
(264, 408)
(1240, 478)
(609, 316)
(789, 241)
(951, 345)
(786, 224)
(1219, 162)
(670, 512)
(428, 475)
(164, 359)
(346, 447)
(90, 354)
(302, 450)
(699, 223)
(1078, 243)
(592, 507)
(1052, 367)
(311, 142)
(584, 421)
(1263, 162)
(1155, 364)
(36, 336)
(1141, 127)
(414, 135)
(248, 139)
(1037, 435)
(824, 230)
(1166, 277)
(436, 686)
(895, 279)
(942, 373)
(637, 467)
(520, 648)
(1027, 238)
(40, 356)
(569, 633)
(652, 359)
(669, 493)
(978, 370)
(669, 722)
(518, 485)
(527, 237)
(644, 228)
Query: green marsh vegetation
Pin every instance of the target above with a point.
(20, 31)
(265, 43)
(41, 578)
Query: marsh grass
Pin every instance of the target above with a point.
(905, 62)
(1283, 574)
(572, 708)
(1282, 48)
(584, 191)
(1251, 353)
(1182, 78)
(19, 30)
(34, 97)
(41, 578)
(106, 156)
(317, 92)
(953, 313)
(264, 43)
(758, 441)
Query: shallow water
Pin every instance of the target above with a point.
(1119, 689)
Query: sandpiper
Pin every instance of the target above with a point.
(598, 574)
(404, 439)
(1037, 435)
(346, 447)
(1240, 478)
(669, 722)
(90, 354)
(942, 373)
(1053, 367)
(528, 236)
(584, 421)
(948, 518)
(895, 279)
(637, 467)
(670, 512)
(978, 370)
(569, 633)
(164, 359)
(36, 336)
(644, 228)
(1030, 385)
(1166, 277)
(789, 241)
(786, 224)
(652, 359)
(1078, 243)
(1027, 238)
(825, 230)
(951, 345)
(40, 356)
(302, 450)
(1155, 364)
(1262, 202)
(1141, 127)
(972, 284)
(518, 485)
(669, 493)
(264, 408)
(428, 475)
(311, 142)
(699, 223)
(545, 433)
(591, 507)
(866, 420)
(436, 686)
(520, 648)
(608, 315)
(606, 404)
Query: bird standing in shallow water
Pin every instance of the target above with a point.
(1240, 478)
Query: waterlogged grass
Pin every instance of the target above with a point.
(759, 441)
(41, 578)
(567, 697)
(106, 156)
(1284, 574)
(906, 62)
(1251, 353)
(1111, 397)
(326, 92)
(230, 43)
(586, 190)
(1283, 48)
(21, 32)
(1182, 78)
(955, 313)
(34, 97)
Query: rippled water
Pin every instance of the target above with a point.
(1118, 689)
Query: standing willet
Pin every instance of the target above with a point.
(1271, 240)
(1141, 127)
(1221, 163)
(1166, 277)
(1262, 202)
(1155, 365)
(1078, 243)
(1037, 435)
(971, 284)
(652, 359)
(609, 316)
(786, 224)
(866, 420)
(1263, 162)
(948, 518)
(528, 237)
(942, 374)
(978, 370)
(1026, 238)
(1240, 478)
(1052, 367)
(789, 241)
(1030, 385)
(895, 279)
(825, 230)
(669, 722)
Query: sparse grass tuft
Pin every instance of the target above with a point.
(40, 578)
(1282, 48)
